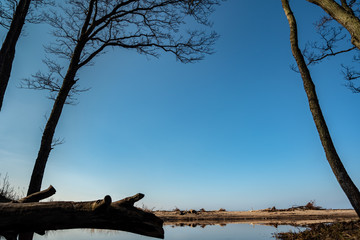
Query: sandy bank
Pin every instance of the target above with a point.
(297, 217)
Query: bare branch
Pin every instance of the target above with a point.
(334, 41)
(351, 74)
(313, 59)
(7, 10)
(51, 81)
(56, 142)
(110, 23)
(34, 15)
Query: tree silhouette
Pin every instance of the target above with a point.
(7, 51)
(13, 14)
(84, 29)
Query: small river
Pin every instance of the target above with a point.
(227, 232)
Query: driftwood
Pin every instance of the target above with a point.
(27, 216)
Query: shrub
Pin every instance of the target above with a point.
(7, 192)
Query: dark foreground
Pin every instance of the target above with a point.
(339, 230)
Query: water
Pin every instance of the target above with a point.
(228, 232)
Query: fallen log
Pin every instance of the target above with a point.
(23, 216)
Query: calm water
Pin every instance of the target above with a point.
(228, 232)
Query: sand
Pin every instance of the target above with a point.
(263, 217)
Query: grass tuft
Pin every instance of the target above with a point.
(7, 192)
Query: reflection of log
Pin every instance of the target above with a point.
(16, 217)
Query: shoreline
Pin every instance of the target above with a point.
(260, 217)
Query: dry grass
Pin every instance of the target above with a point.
(7, 192)
(147, 209)
(338, 231)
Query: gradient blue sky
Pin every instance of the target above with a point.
(233, 131)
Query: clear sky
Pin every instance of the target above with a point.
(233, 131)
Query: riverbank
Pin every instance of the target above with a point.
(263, 217)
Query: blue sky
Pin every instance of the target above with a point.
(233, 131)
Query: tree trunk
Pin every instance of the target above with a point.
(48, 134)
(7, 51)
(49, 131)
(16, 217)
(337, 167)
(343, 16)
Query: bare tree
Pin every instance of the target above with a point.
(7, 51)
(86, 28)
(13, 14)
(333, 158)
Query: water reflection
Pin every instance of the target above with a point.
(193, 225)
(173, 232)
